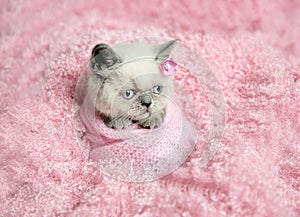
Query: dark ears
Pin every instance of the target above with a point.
(165, 49)
(103, 57)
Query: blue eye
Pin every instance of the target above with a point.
(128, 94)
(156, 89)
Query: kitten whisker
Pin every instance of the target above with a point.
(125, 116)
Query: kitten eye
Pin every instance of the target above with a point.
(128, 94)
(156, 89)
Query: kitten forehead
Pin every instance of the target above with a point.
(143, 73)
(140, 75)
(139, 67)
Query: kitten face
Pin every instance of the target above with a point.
(135, 90)
(133, 87)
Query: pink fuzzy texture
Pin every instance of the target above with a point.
(144, 146)
(252, 47)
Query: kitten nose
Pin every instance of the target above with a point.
(146, 104)
(145, 100)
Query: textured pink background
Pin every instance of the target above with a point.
(253, 48)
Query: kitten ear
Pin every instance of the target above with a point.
(103, 57)
(165, 50)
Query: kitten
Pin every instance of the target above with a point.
(133, 89)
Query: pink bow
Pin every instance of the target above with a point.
(168, 67)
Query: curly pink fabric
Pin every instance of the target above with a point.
(253, 49)
(142, 139)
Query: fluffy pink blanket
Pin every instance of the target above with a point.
(252, 47)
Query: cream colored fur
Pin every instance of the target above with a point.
(138, 70)
(138, 75)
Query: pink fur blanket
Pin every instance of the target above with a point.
(252, 47)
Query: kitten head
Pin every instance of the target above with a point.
(132, 83)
